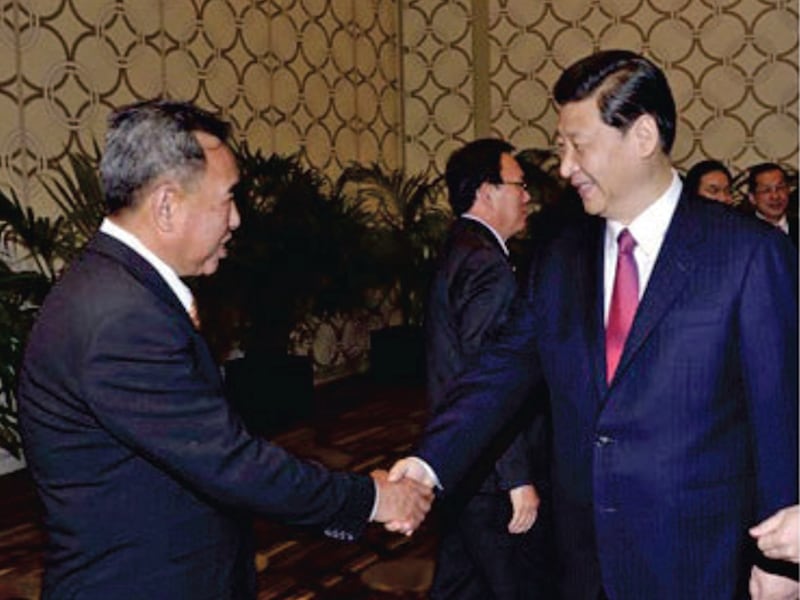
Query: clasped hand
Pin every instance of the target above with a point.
(402, 502)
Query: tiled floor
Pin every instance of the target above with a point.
(359, 425)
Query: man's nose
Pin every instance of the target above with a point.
(235, 219)
(566, 165)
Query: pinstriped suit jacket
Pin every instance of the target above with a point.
(658, 475)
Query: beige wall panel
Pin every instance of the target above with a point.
(401, 82)
(286, 73)
(732, 65)
(438, 90)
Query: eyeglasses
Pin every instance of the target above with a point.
(767, 189)
(520, 184)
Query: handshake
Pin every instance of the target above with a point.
(405, 495)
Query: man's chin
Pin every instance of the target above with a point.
(210, 266)
(591, 207)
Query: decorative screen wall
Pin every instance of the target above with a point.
(401, 82)
(308, 76)
(486, 67)
(398, 82)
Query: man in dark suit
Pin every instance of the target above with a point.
(666, 329)
(768, 191)
(147, 477)
(470, 294)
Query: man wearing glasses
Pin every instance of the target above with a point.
(768, 192)
(489, 547)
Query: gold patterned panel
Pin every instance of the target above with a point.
(438, 90)
(308, 77)
(313, 77)
(732, 65)
(400, 82)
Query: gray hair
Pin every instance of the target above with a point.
(151, 139)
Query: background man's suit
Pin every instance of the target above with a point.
(469, 299)
(695, 438)
(101, 429)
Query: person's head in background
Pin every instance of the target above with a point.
(486, 181)
(710, 179)
(768, 191)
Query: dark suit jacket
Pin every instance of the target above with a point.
(147, 477)
(696, 437)
(468, 302)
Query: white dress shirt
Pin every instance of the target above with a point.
(648, 229)
(168, 274)
(783, 224)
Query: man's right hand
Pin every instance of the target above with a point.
(402, 504)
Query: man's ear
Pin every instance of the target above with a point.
(483, 195)
(645, 130)
(164, 201)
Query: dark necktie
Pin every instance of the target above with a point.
(624, 300)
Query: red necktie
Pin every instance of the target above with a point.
(624, 300)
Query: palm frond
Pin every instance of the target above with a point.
(77, 191)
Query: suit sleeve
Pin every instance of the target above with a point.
(768, 353)
(484, 286)
(480, 292)
(145, 380)
(483, 398)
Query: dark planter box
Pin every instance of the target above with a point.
(270, 391)
(397, 354)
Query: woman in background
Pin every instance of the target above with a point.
(710, 179)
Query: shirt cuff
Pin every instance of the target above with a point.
(374, 502)
(428, 471)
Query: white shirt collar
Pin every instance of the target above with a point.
(500, 240)
(180, 289)
(649, 228)
(783, 224)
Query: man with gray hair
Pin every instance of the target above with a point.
(147, 477)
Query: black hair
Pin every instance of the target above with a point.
(470, 166)
(627, 85)
(695, 174)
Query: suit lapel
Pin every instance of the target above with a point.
(479, 229)
(589, 291)
(138, 267)
(670, 274)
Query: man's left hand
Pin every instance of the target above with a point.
(766, 586)
(525, 503)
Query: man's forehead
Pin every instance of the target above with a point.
(770, 174)
(577, 115)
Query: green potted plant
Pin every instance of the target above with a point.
(36, 249)
(408, 220)
(299, 251)
(38, 243)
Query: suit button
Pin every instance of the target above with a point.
(603, 440)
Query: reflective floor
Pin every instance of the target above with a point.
(357, 425)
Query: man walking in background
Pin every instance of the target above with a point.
(491, 543)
